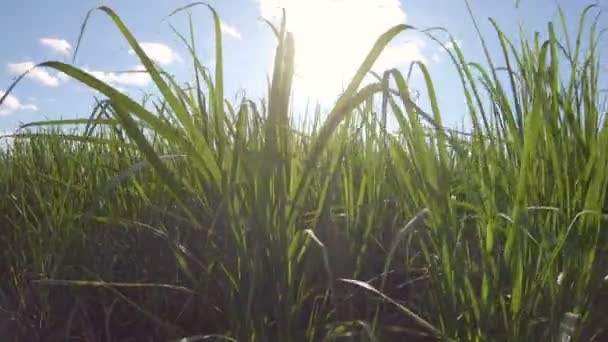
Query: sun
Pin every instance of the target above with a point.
(332, 37)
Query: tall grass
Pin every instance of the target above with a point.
(192, 216)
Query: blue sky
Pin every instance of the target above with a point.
(332, 37)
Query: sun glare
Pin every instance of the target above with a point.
(333, 36)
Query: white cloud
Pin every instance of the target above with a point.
(401, 54)
(159, 53)
(62, 77)
(40, 75)
(450, 45)
(60, 46)
(5, 139)
(131, 78)
(437, 55)
(12, 104)
(230, 30)
(333, 37)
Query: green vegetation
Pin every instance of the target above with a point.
(192, 216)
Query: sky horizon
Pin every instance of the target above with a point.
(332, 37)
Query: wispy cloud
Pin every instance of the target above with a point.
(60, 46)
(39, 75)
(230, 30)
(134, 77)
(12, 104)
(159, 53)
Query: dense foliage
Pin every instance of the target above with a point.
(192, 216)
